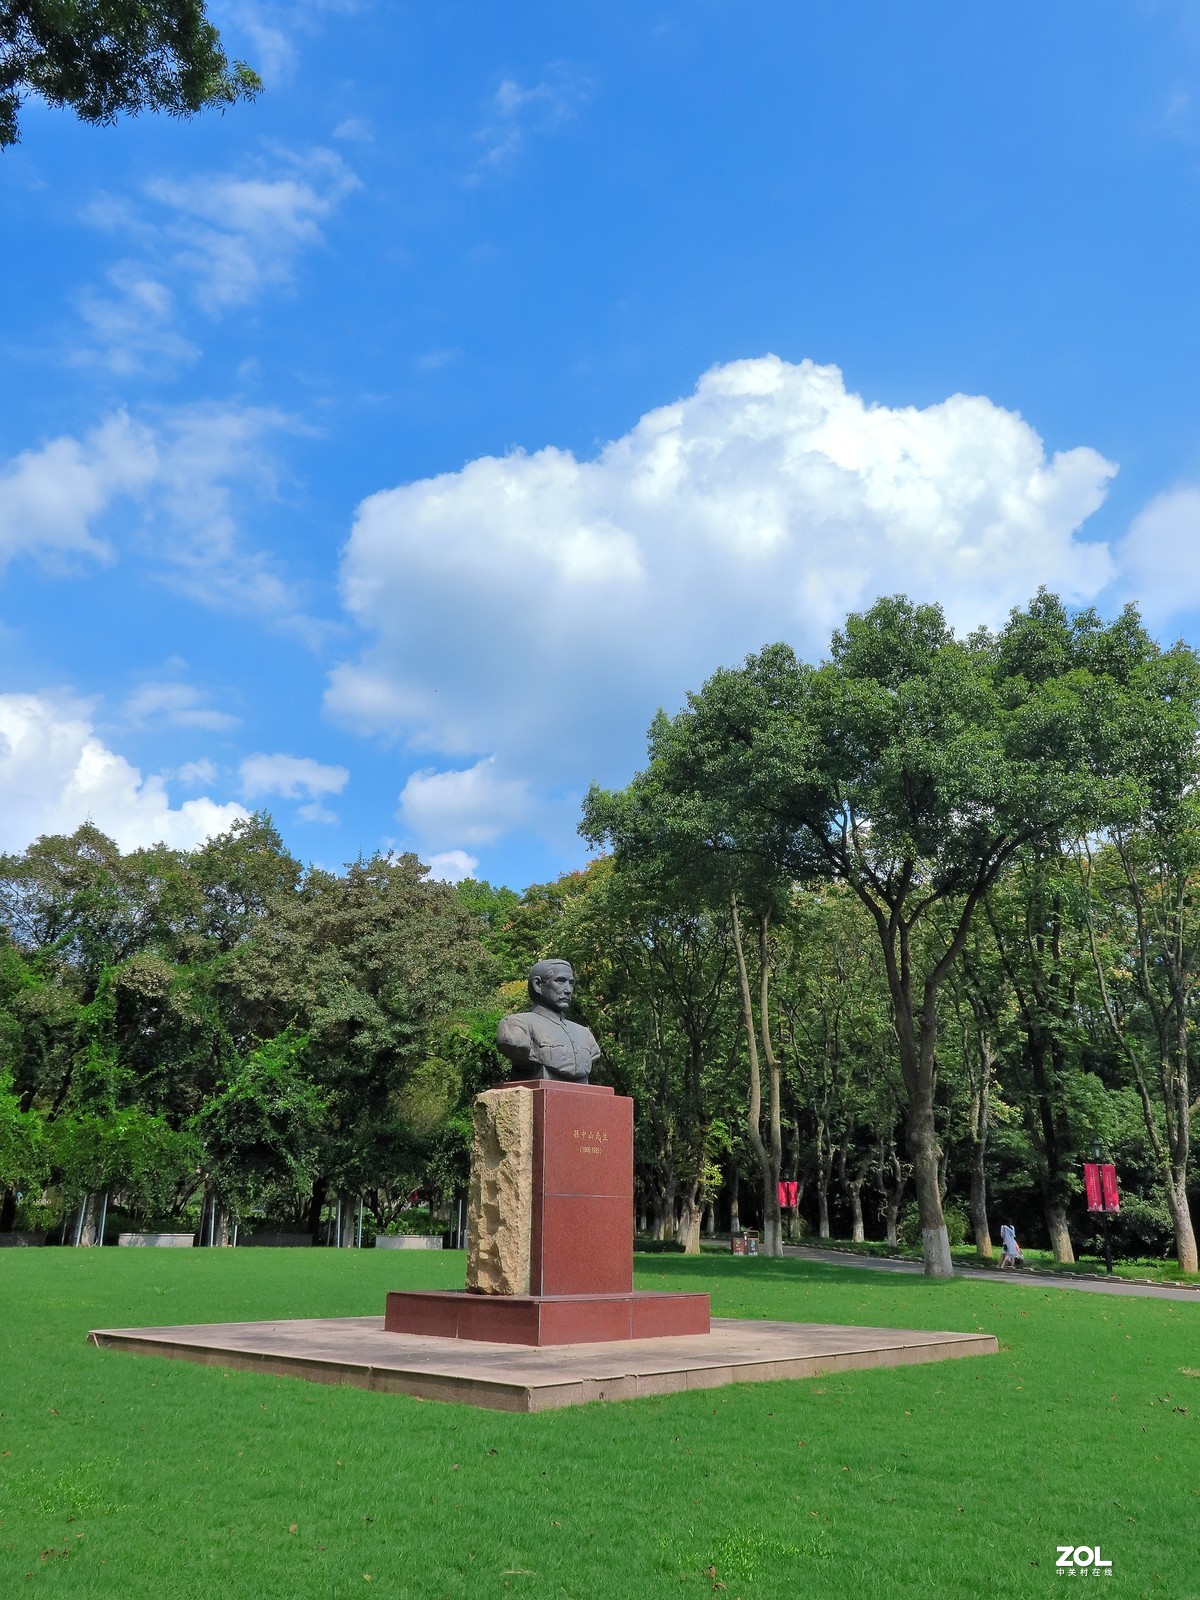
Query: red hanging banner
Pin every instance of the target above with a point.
(789, 1194)
(1100, 1185)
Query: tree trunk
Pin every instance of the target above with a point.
(981, 1089)
(1060, 1233)
(858, 1233)
(852, 1188)
(89, 1231)
(978, 1202)
(8, 1209)
(916, 1036)
(772, 1212)
(710, 1221)
(316, 1205)
(893, 1194)
(923, 1150)
(1181, 1217)
(771, 1229)
(688, 1233)
(347, 1220)
(735, 1211)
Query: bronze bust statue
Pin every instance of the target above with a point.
(540, 1042)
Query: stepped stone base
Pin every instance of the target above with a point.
(546, 1319)
(356, 1350)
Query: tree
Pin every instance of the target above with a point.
(659, 994)
(367, 966)
(24, 1159)
(667, 839)
(1143, 921)
(912, 765)
(262, 1130)
(1037, 929)
(106, 57)
(837, 1043)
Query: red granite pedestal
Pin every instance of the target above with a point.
(581, 1242)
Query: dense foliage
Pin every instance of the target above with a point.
(911, 931)
(104, 58)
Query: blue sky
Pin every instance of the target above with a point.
(386, 452)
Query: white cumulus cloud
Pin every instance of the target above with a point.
(175, 705)
(216, 240)
(195, 774)
(55, 773)
(183, 482)
(537, 608)
(292, 778)
(52, 496)
(476, 804)
(452, 866)
(1160, 556)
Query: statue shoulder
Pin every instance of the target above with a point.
(514, 1029)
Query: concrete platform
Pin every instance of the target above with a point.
(357, 1350)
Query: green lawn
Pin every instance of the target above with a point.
(126, 1477)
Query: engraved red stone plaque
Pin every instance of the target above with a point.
(581, 1241)
(582, 1236)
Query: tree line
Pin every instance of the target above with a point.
(911, 930)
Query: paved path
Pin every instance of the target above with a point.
(1050, 1280)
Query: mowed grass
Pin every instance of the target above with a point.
(126, 1477)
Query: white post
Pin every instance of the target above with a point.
(358, 1239)
(79, 1221)
(103, 1217)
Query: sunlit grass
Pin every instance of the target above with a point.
(131, 1477)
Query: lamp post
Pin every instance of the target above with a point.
(1098, 1157)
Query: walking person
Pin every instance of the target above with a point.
(1010, 1250)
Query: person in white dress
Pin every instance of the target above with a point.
(1010, 1250)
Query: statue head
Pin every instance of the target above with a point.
(551, 984)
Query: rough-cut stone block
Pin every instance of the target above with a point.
(500, 1214)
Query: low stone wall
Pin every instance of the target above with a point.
(171, 1241)
(408, 1241)
(18, 1241)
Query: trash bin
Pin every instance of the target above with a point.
(751, 1238)
(737, 1243)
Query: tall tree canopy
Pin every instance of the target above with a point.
(105, 57)
(913, 766)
